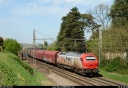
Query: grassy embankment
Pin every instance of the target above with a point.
(115, 76)
(14, 72)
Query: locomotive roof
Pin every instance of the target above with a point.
(71, 54)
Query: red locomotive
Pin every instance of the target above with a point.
(81, 63)
(86, 63)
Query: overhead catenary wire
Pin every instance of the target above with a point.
(43, 34)
(48, 37)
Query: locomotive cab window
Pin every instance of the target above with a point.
(90, 58)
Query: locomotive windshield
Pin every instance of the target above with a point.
(90, 58)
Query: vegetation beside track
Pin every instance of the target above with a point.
(116, 69)
(14, 72)
(116, 65)
(114, 76)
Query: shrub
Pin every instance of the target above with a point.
(103, 62)
(52, 46)
(12, 46)
(116, 64)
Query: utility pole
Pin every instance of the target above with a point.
(100, 44)
(27, 55)
(34, 38)
(44, 44)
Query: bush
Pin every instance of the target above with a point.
(117, 64)
(103, 62)
(12, 46)
(52, 46)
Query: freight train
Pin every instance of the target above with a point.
(84, 64)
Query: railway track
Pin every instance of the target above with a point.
(82, 80)
(107, 82)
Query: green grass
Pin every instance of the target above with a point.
(115, 76)
(13, 73)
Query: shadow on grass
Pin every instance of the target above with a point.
(99, 75)
(94, 76)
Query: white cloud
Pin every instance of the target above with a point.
(37, 9)
(62, 1)
(67, 1)
(77, 2)
(54, 7)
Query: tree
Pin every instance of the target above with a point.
(52, 46)
(71, 35)
(12, 46)
(119, 13)
(40, 46)
(45, 44)
(1, 41)
(101, 14)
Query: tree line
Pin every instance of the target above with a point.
(71, 34)
(112, 21)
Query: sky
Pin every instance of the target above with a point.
(18, 18)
